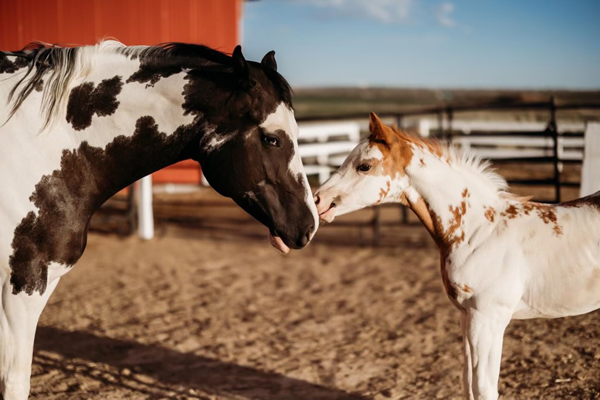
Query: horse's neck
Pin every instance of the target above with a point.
(450, 199)
(111, 132)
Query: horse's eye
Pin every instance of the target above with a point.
(363, 168)
(271, 140)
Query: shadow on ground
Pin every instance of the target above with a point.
(157, 371)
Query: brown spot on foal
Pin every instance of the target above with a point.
(384, 192)
(465, 288)
(511, 212)
(490, 213)
(546, 213)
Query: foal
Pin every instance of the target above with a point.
(502, 257)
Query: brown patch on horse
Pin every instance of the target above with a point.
(10, 67)
(511, 212)
(424, 214)
(546, 212)
(398, 145)
(67, 197)
(384, 192)
(490, 213)
(396, 155)
(465, 288)
(436, 229)
(453, 235)
(85, 101)
(432, 146)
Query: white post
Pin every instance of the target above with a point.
(145, 214)
(354, 133)
(590, 173)
(424, 127)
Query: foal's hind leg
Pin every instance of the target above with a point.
(18, 320)
(484, 335)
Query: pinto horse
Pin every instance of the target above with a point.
(80, 124)
(502, 257)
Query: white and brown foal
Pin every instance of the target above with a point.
(502, 257)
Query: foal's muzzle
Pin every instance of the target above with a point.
(326, 207)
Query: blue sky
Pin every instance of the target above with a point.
(429, 43)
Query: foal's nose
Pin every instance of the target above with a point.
(323, 204)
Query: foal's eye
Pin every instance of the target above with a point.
(270, 140)
(363, 168)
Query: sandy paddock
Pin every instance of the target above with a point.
(215, 313)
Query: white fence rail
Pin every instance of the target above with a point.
(502, 147)
(324, 146)
(426, 125)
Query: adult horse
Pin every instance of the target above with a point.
(80, 124)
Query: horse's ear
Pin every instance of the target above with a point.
(269, 60)
(380, 133)
(240, 65)
(375, 123)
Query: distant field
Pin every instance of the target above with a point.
(340, 101)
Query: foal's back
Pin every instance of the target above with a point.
(561, 249)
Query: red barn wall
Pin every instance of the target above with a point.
(214, 23)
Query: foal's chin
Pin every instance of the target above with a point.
(328, 216)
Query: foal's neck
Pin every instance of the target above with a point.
(451, 197)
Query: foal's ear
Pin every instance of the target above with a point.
(240, 65)
(269, 60)
(380, 132)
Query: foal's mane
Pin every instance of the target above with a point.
(460, 160)
(66, 64)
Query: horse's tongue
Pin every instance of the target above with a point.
(278, 244)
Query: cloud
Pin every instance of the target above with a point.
(443, 14)
(387, 11)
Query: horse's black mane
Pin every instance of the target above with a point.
(41, 58)
(196, 55)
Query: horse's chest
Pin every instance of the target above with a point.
(456, 291)
(55, 233)
(464, 275)
(41, 240)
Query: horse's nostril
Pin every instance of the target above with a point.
(303, 240)
(307, 236)
(317, 199)
(332, 205)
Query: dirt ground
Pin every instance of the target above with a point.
(213, 312)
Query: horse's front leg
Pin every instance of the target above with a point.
(484, 333)
(18, 321)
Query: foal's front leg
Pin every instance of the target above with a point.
(484, 333)
(468, 361)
